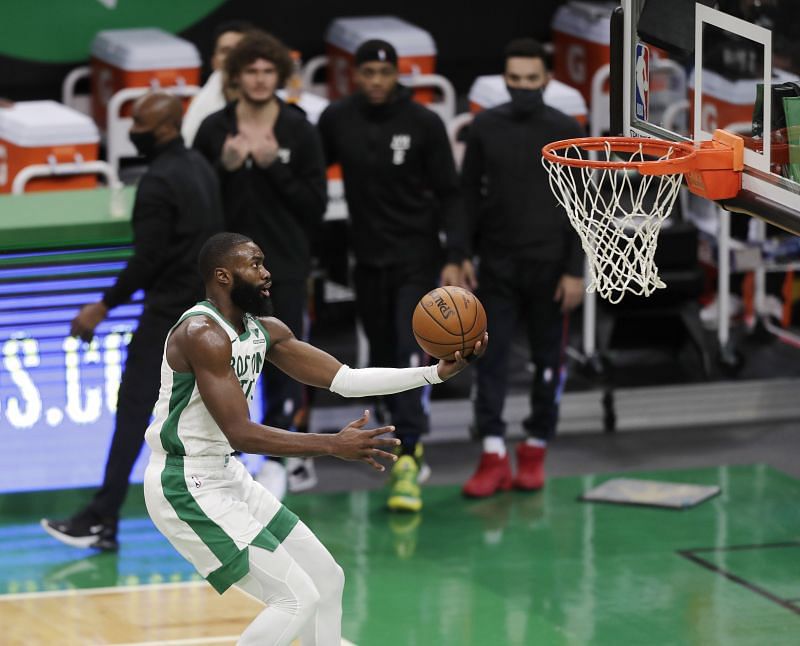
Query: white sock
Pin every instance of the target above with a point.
(535, 441)
(494, 444)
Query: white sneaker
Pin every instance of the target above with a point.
(301, 474)
(272, 477)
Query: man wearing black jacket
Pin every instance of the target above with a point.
(177, 208)
(274, 189)
(401, 189)
(531, 264)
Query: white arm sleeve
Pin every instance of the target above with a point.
(363, 382)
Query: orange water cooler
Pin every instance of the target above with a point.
(125, 58)
(45, 132)
(581, 40)
(489, 91)
(416, 50)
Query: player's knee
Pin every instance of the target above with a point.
(305, 591)
(308, 600)
(336, 581)
(329, 579)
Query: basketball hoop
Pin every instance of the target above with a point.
(617, 199)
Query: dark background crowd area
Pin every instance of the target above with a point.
(469, 37)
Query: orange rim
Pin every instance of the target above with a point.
(681, 161)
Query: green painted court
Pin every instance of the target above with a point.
(514, 569)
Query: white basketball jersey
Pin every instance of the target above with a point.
(182, 425)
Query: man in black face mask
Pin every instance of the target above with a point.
(531, 264)
(177, 208)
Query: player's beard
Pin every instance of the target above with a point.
(249, 298)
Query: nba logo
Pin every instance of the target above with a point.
(642, 81)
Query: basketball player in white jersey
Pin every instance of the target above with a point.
(201, 497)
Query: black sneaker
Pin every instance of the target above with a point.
(83, 531)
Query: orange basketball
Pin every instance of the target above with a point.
(448, 319)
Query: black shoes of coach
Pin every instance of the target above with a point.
(83, 530)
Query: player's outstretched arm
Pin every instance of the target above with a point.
(200, 346)
(310, 365)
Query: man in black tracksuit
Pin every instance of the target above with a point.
(401, 188)
(274, 189)
(177, 208)
(531, 264)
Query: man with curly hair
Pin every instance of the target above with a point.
(272, 173)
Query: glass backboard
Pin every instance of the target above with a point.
(681, 69)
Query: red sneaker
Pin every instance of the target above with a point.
(492, 475)
(530, 467)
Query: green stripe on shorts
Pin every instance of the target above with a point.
(282, 523)
(265, 540)
(276, 530)
(234, 561)
(226, 575)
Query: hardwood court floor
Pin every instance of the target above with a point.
(514, 570)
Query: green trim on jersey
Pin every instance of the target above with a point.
(182, 388)
(243, 336)
(189, 314)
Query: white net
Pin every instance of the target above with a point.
(618, 214)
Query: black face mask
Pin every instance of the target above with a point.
(249, 298)
(525, 101)
(144, 142)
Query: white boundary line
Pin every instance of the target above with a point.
(145, 587)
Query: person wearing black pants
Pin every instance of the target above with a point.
(272, 172)
(513, 290)
(138, 391)
(530, 265)
(385, 304)
(177, 208)
(402, 189)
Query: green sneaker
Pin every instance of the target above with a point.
(404, 493)
(419, 458)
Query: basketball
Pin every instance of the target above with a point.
(448, 319)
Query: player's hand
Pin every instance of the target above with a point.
(451, 275)
(447, 369)
(89, 317)
(234, 152)
(468, 276)
(265, 151)
(569, 292)
(354, 443)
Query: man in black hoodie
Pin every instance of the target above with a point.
(177, 208)
(531, 264)
(402, 189)
(274, 189)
